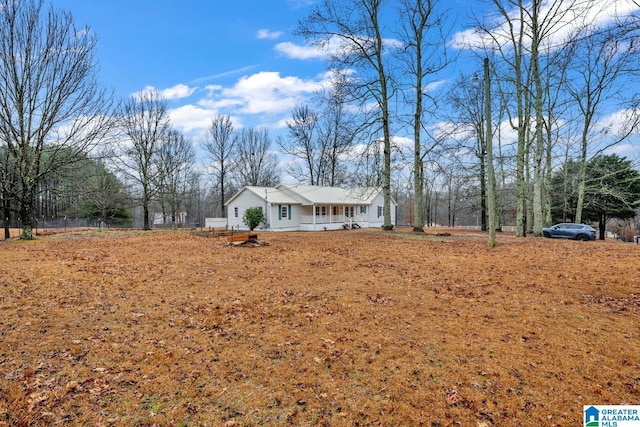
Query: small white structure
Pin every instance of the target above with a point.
(215, 222)
(310, 207)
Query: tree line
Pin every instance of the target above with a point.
(522, 139)
(551, 74)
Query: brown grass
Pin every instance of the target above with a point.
(340, 328)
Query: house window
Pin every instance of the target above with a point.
(284, 212)
(379, 211)
(348, 211)
(317, 210)
(324, 211)
(363, 209)
(235, 212)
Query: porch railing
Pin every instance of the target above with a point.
(333, 219)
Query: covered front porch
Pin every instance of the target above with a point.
(330, 217)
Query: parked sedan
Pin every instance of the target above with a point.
(571, 231)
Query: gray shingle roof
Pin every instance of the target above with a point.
(312, 194)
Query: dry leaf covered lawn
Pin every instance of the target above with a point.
(340, 328)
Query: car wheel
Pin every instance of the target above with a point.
(545, 234)
(582, 238)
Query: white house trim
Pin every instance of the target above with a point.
(309, 207)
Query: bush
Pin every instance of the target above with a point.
(252, 217)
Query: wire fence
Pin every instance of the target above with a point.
(63, 223)
(69, 223)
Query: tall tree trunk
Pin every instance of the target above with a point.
(222, 194)
(548, 218)
(6, 210)
(26, 211)
(582, 173)
(418, 201)
(145, 208)
(491, 190)
(483, 188)
(386, 179)
(538, 105)
(602, 226)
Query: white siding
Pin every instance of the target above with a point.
(236, 209)
(288, 222)
(377, 206)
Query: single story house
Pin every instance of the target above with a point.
(310, 207)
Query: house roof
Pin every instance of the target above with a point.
(315, 194)
(312, 194)
(273, 195)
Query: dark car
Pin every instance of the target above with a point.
(571, 231)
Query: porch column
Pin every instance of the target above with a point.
(267, 215)
(267, 207)
(314, 216)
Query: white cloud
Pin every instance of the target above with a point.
(268, 34)
(402, 143)
(178, 91)
(625, 150)
(292, 50)
(264, 92)
(432, 86)
(264, 99)
(568, 19)
(618, 123)
(298, 4)
(189, 118)
(335, 45)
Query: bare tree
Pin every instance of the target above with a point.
(467, 99)
(355, 26)
(145, 124)
(336, 129)
(100, 190)
(51, 108)
(319, 140)
(8, 184)
(424, 55)
(305, 145)
(601, 61)
(545, 21)
(528, 33)
(255, 164)
(220, 147)
(175, 159)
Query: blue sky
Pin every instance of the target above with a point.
(204, 55)
(214, 56)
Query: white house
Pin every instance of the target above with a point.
(310, 207)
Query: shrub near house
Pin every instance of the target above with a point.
(253, 217)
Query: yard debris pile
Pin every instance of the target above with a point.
(247, 240)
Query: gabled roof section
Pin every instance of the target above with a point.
(315, 194)
(270, 194)
(311, 195)
(273, 195)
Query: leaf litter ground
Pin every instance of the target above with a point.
(345, 328)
